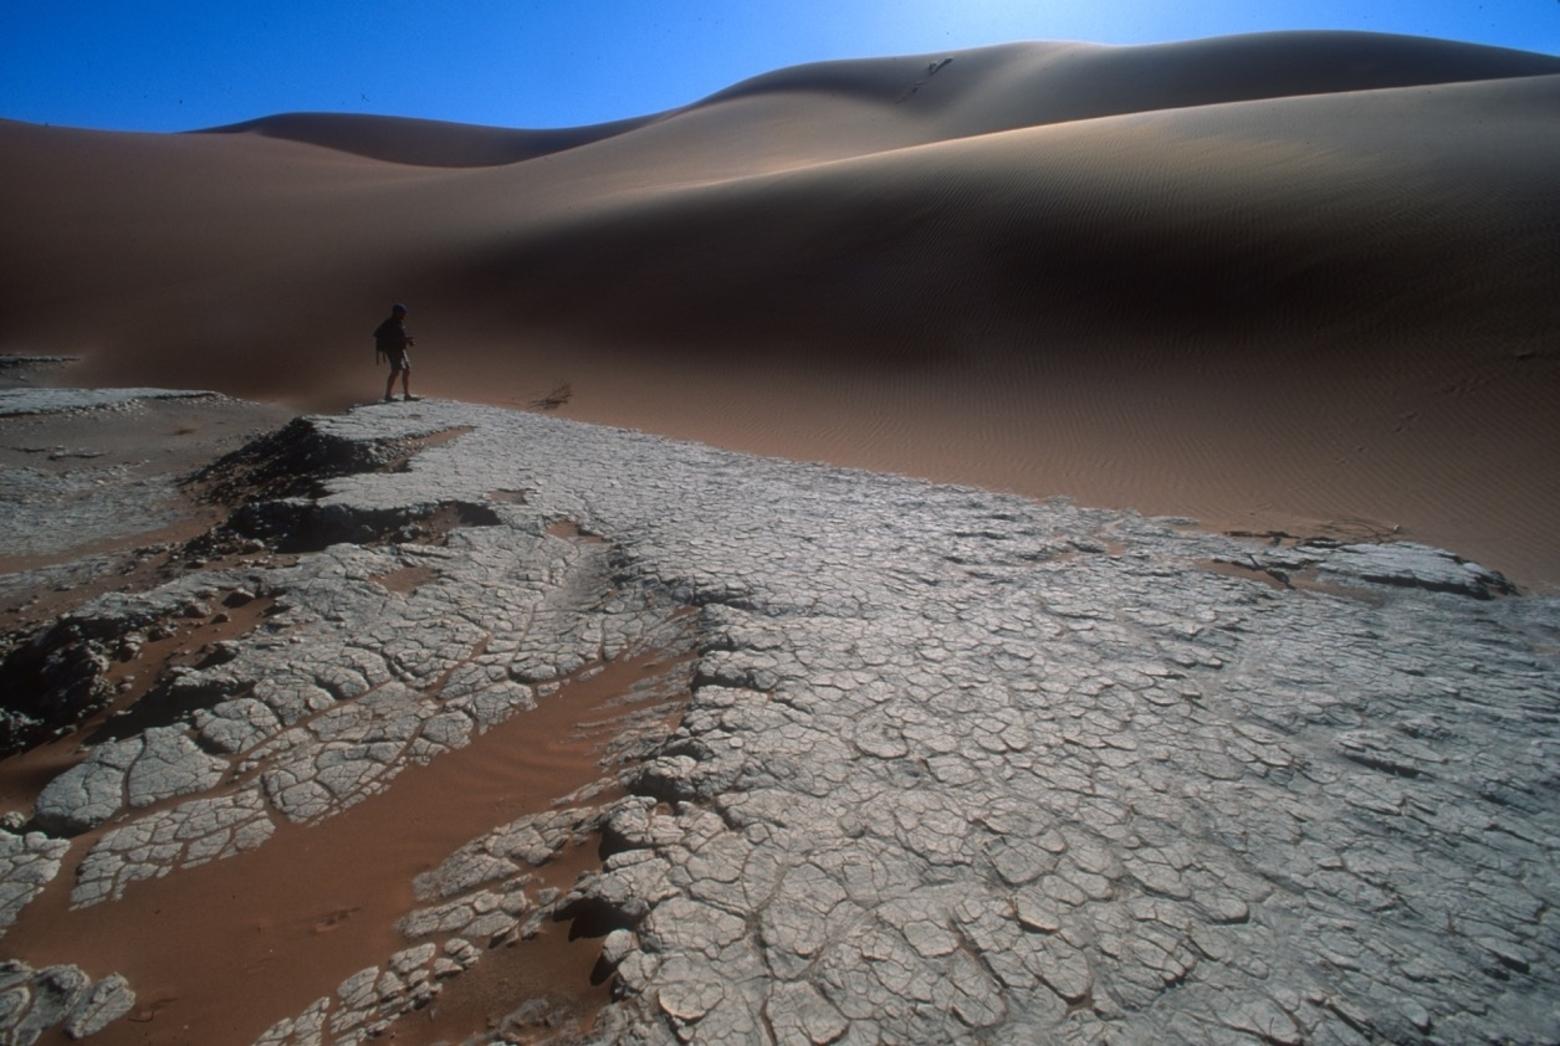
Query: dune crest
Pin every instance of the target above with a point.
(975, 91)
(429, 143)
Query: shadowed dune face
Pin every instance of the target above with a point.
(423, 142)
(1298, 281)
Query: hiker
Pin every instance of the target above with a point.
(391, 340)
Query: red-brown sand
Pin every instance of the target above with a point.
(1300, 281)
(219, 952)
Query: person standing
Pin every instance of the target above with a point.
(391, 340)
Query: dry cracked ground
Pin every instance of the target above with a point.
(884, 761)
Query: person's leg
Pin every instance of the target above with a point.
(406, 381)
(390, 385)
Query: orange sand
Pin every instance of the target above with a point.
(242, 942)
(1291, 281)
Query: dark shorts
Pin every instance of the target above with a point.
(400, 360)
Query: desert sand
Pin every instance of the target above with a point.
(1298, 282)
(432, 719)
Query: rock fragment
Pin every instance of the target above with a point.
(107, 1001)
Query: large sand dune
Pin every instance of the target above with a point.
(1298, 281)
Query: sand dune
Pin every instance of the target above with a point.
(1023, 85)
(988, 89)
(425, 142)
(1299, 281)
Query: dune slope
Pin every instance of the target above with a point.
(972, 92)
(429, 143)
(1295, 281)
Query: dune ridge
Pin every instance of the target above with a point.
(995, 88)
(431, 143)
(1291, 282)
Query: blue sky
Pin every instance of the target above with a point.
(166, 65)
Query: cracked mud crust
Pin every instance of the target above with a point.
(91, 491)
(953, 764)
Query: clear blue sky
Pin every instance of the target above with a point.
(166, 65)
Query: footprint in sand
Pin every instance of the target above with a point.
(333, 920)
(149, 1012)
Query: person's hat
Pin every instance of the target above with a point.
(398, 307)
